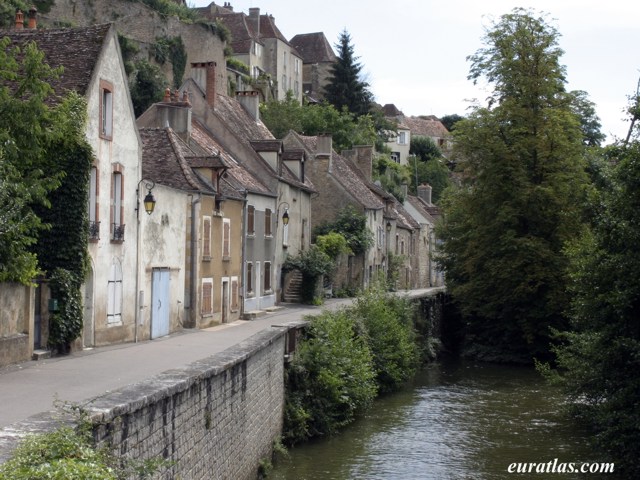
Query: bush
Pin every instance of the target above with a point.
(388, 324)
(63, 454)
(313, 264)
(331, 379)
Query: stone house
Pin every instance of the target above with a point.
(423, 126)
(400, 140)
(403, 249)
(426, 215)
(235, 125)
(343, 180)
(93, 67)
(275, 67)
(318, 59)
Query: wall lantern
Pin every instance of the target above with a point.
(149, 200)
(285, 215)
(388, 226)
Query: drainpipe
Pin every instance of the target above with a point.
(194, 257)
(243, 250)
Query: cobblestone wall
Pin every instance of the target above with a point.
(215, 419)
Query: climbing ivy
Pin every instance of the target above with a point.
(172, 49)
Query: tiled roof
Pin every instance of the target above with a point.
(345, 173)
(77, 50)
(163, 160)
(426, 127)
(404, 218)
(266, 145)
(268, 29)
(431, 212)
(250, 131)
(313, 47)
(238, 178)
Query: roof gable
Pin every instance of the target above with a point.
(313, 47)
(77, 50)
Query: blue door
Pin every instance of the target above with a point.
(160, 303)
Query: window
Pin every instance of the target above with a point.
(249, 277)
(267, 276)
(226, 239)
(402, 247)
(284, 82)
(206, 306)
(284, 61)
(297, 65)
(395, 156)
(206, 238)
(94, 224)
(106, 110)
(397, 243)
(117, 209)
(251, 222)
(402, 138)
(267, 223)
(114, 294)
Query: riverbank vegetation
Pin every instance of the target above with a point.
(540, 235)
(345, 360)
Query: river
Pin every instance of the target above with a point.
(456, 421)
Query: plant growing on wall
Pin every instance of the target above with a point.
(172, 49)
(352, 225)
(313, 263)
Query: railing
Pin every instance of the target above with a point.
(94, 230)
(117, 233)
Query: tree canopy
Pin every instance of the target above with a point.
(346, 88)
(520, 202)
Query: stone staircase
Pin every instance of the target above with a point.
(293, 291)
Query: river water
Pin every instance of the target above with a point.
(457, 421)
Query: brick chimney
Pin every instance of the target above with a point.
(204, 74)
(250, 101)
(254, 21)
(362, 156)
(174, 112)
(19, 20)
(33, 12)
(424, 192)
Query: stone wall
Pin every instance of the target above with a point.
(216, 418)
(16, 323)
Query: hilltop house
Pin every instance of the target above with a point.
(318, 59)
(275, 67)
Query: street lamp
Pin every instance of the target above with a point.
(285, 215)
(149, 200)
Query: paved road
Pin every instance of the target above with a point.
(33, 387)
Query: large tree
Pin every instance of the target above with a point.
(599, 358)
(346, 88)
(523, 182)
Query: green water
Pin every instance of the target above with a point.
(457, 421)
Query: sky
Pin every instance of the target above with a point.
(414, 52)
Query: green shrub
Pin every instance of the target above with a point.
(65, 323)
(65, 454)
(388, 326)
(313, 263)
(331, 379)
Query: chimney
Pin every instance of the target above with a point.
(325, 145)
(19, 20)
(362, 155)
(33, 11)
(254, 19)
(174, 113)
(250, 102)
(204, 74)
(424, 192)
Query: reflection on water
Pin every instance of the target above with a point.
(458, 421)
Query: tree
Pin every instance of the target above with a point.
(589, 121)
(346, 129)
(424, 147)
(28, 126)
(147, 86)
(598, 359)
(520, 202)
(345, 87)
(449, 121)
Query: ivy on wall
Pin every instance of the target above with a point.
(172, 49)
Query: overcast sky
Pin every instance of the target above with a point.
(413, 52)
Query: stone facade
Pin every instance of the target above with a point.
(16, 323)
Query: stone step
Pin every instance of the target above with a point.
(41, 354)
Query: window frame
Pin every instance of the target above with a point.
(105, 129)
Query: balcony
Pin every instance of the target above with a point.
(94, 231)
(117, 233)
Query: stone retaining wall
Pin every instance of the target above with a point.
(215, 419)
